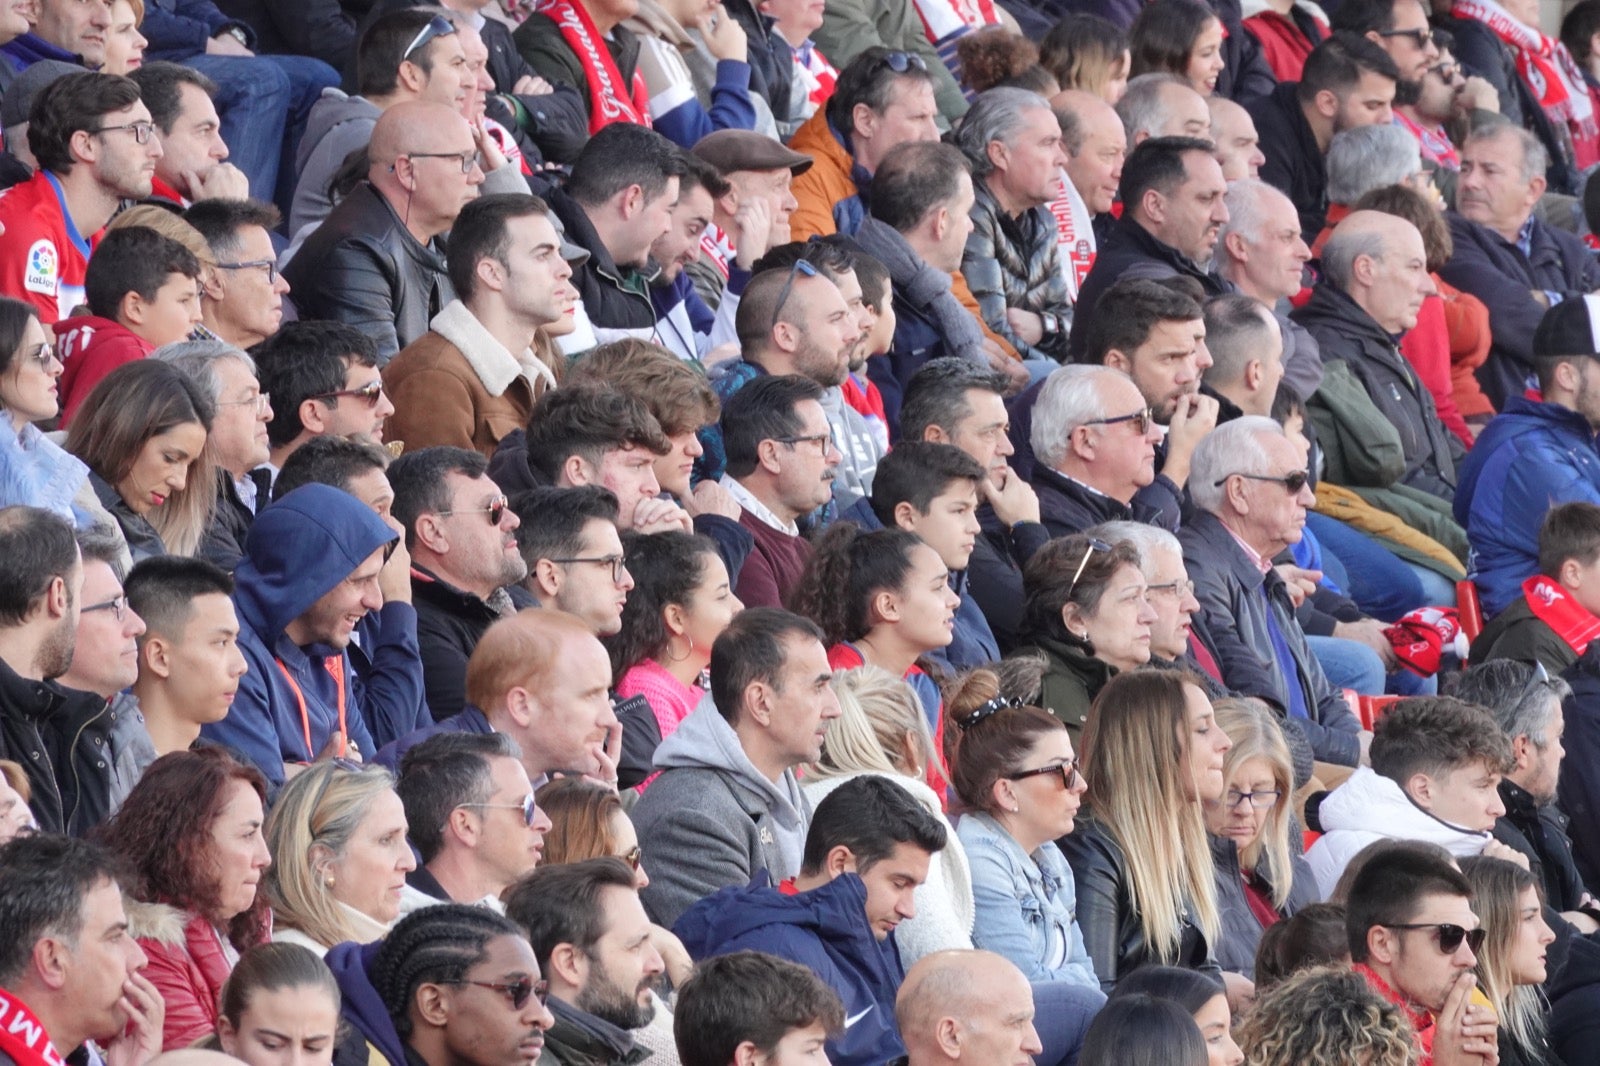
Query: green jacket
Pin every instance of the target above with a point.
(1517, 633)
(1072, 679)
(850, 27)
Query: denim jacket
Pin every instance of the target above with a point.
(1026, 905)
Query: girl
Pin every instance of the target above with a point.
(1181, 37)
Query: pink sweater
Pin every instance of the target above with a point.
(669, 698)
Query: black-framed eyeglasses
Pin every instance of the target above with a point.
(438, 26)
(468, 160)
(261, 401)
(1177, 589)
(528, 807)
(371, 392)
(1141, 420)
(1292, 482)
(900, 62)
(1420, 38)
(269, 265)
(141, 130)
(1264, 800)
(496, 510)
(1095, 545)
(118, 607)
(1448, 935)
(519, 991)
(800, 267)
(617, 563)
(633, 856)
(1065, 770)
(821, 440)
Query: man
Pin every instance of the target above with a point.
(751, 1003)
(1536, 452)
(1238, 145)
(1375, 278)
(473, 377)
(1096, 145)
(684, 324)
(781, 467)
(189, 658)
(96, 147)
(1162, 105)
(42, 572)
(1403, 916)
(727, 804)
(1172, 196)
(64, 31)
(617, 202)
(878, 104)
(311, 573)
(1506, 255)
(1251, 495)
(867, 849)
(376, 262)
(70, 971)
(1554, 618)
(1348, 81)
(354, 466)
(324, 377)
(597, 949)
(1011, 261)
(460, 532)
(1246, 355)
(1367, 158)
(583, 44)
(967, 1006)
(194, 161)
(470, 812)
(241, 300)
(752, 216)
(569, 541)
(1399, 27)
(1443, 95)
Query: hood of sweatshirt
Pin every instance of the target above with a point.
(706, 741)
(362, 1007)
(333, 109)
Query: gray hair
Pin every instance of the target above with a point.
(1344, 247)
(1247, 201)
(1070, 398)
(1521, 702)
(197, 360)
(1145, 539)
(1232, 448)
(1535, 160)
(995, 115)
(1370, 157)
(1141, 108)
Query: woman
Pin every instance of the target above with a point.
(998, 56)
(680, 603)
(880, 730)
(1202, 997)
(881, 599)
(1142, 1030)
(143, 433)
(1326, 1017)
(280, 1006)
(1016, 774)
(1154, 753)
(1181, 37)
(1315, 936)
(33, 469)
(124, 43)
(1090, 53)
(16, 819)
(338, 834)
(1260, 878)
(190, 835)
(1086, 610)
(1511, 963)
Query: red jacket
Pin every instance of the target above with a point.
(92, 347)
(187, 965)
(1285, 45)
(1426, 346)
(1421, 1020)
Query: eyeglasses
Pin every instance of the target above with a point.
(1292, 482)
(141, 130)
(1449, 936)
(269, 265)
(900, 62)
(468, 160)
(1420, 38)
(1095, 545)
(438, 26)
(801, 267)
(821, 440)
(1141, 420)
(44, 355)
(633, 856)
(1066, 770)
(261, 401)
(118, 607)
(370, 392)
(528, 807)
(617, 563)
(496, 510)
(518, 991)
(1177, 589)
(1261, 801)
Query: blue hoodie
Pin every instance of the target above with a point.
(299, 549)
(360, 1004)
(825, 930)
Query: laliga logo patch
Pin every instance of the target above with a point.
(41, 273)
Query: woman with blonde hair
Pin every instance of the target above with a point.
(1511, 963)
(1152, 754)
(1328, 1016)
(340, 856)
(1090, 53)
(881, 731)
(1260, 879)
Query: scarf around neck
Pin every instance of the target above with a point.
(924, 288)
(22, 1035)
(611, 99)
(1074, 234)
(1550, 604)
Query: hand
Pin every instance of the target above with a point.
(140, 1039)
(1477, 94)
(1369, 631)
(1364, 738)
(724, 37)
(532, 85)
(721, 354)
(1496, 849)
(1025, 324)
(1003, 363)
(338, 747)
(679, 965)
(394, 580)
(1012, 498)
(606, 755)
(655, 515)
(1540, 297)
(1241, 991)
(223, 182)
(1193, 417)
(1300, 582)
(709, 497)
(226, 44)
(490, 157)
(752, 231)
(1464, 1034)
(1581, 922)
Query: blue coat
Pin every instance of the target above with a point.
(824, 930)
(1530, 458)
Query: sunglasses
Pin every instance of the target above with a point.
(1449, 936)
(800, 267)
(633, 856)
(1420, 38)
(371, 392)
(1066, 770)
(1141, 420)
(900, 62)
(518, 991)
(1095, 545)
(528, 807)
(1292, 482)
(496, 510)
(438, 26)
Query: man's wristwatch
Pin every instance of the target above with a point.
(238, 34)
(1050, 323)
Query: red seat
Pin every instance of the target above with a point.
(1372, 708)
(1470, 609)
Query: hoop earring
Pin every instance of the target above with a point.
(679, 658)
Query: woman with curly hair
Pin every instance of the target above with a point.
(190, 835)
(1326, 1017)
(997, 56)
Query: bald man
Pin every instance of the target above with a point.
(1096, 144)
(375, 262)
(1373, 413)
(976, 1007)
(1233, 131)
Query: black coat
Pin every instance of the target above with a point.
(81, 736)
(223, 543)
(322, 29)
(615, 298)
(449, 625)
(26, 709)
(143, 540)
(994, 573)
(1067, 507)
(1578, 793)
(1295, 162)
(1539, 831)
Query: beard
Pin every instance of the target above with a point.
(55, 653)
(609, 1002)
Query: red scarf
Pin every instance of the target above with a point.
(607, 102)
(22, 1035)
(1552, 606)
(1435, 143)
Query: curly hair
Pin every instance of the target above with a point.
(991, 56)
(162, 835)
(1434, 735)
(847, 567)
(667, 569)
(1326, 1017)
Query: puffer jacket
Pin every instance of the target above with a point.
(1241, 929)
(188, 966)
(829, 193)
(1016, 262)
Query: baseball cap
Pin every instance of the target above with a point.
(730, 150)
(1571, 327)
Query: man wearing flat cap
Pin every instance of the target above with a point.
(752, 216)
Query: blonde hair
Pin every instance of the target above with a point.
(877, 712)
(322, 807)
(166, 223)
(1135, 749)
(1254, 730)
(1497, 887)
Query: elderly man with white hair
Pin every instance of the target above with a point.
(1251, 492)
(1162, 105)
